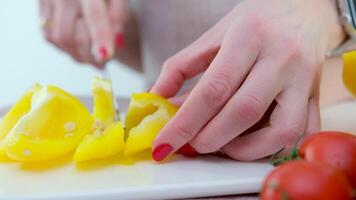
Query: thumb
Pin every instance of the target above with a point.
(186, 64)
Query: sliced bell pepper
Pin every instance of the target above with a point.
(107, 138)
(349, 71)
(21, 107)
(103, 105)
(104, 142)
(54, 125)
(146, 116)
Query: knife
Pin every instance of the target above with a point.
(106, 75)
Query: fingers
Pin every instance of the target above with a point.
(46, 17)
(287, 125)
(243, 110)
(179, 100)
(45, 8)
(313, 120)
(313, 123)
(62, 31)
(100, 30)
(82, 43)
(220, 81)
(118, 14)
(184, 65)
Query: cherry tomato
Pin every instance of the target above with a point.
(302, 180)
(332, 148)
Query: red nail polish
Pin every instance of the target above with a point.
(120, 41)
(161, 152)
(103, 53)
(188, 150)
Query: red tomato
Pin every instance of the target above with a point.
(302, 180)
(332, 148)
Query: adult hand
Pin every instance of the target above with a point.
(261, 52)
(88, 30)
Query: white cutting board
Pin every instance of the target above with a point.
(179, 178)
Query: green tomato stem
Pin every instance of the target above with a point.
(275, 160)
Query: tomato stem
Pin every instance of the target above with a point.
(275, 160)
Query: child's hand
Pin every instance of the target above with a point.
(88, 30)
(262, 51)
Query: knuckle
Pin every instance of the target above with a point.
(171, 67)
(254, 24)
(249, 108)
(290, 135)
(292, 48)
(202, 145)
(62, 39)
(169, 64)
(182, 131)
(215, 92)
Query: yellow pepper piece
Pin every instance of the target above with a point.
(104, 142)
(103, 105)
(21, 107)
(146, 116)
(54, 126)
(349, 72)
(107, 138)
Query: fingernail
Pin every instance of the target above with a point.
(120, 41)
(161, 152)
(102, 53)
(188, 150)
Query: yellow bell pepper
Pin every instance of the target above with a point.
(146, 116)
(349, 71)
(103, 105)
(107, 138)
(104, 142)
(21, 107)
(53, 126)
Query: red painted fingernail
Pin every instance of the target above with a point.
(161, 152)
(103, 53)
(120, 41)
(188, 151)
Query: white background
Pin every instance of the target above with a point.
(26, 58)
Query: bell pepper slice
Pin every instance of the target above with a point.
(104, 142)
(53, 127)
(107, 138)
(21, 107)
(349, 71)
(103, 105)
(146, 116)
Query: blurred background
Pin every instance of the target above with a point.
(26, 58)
